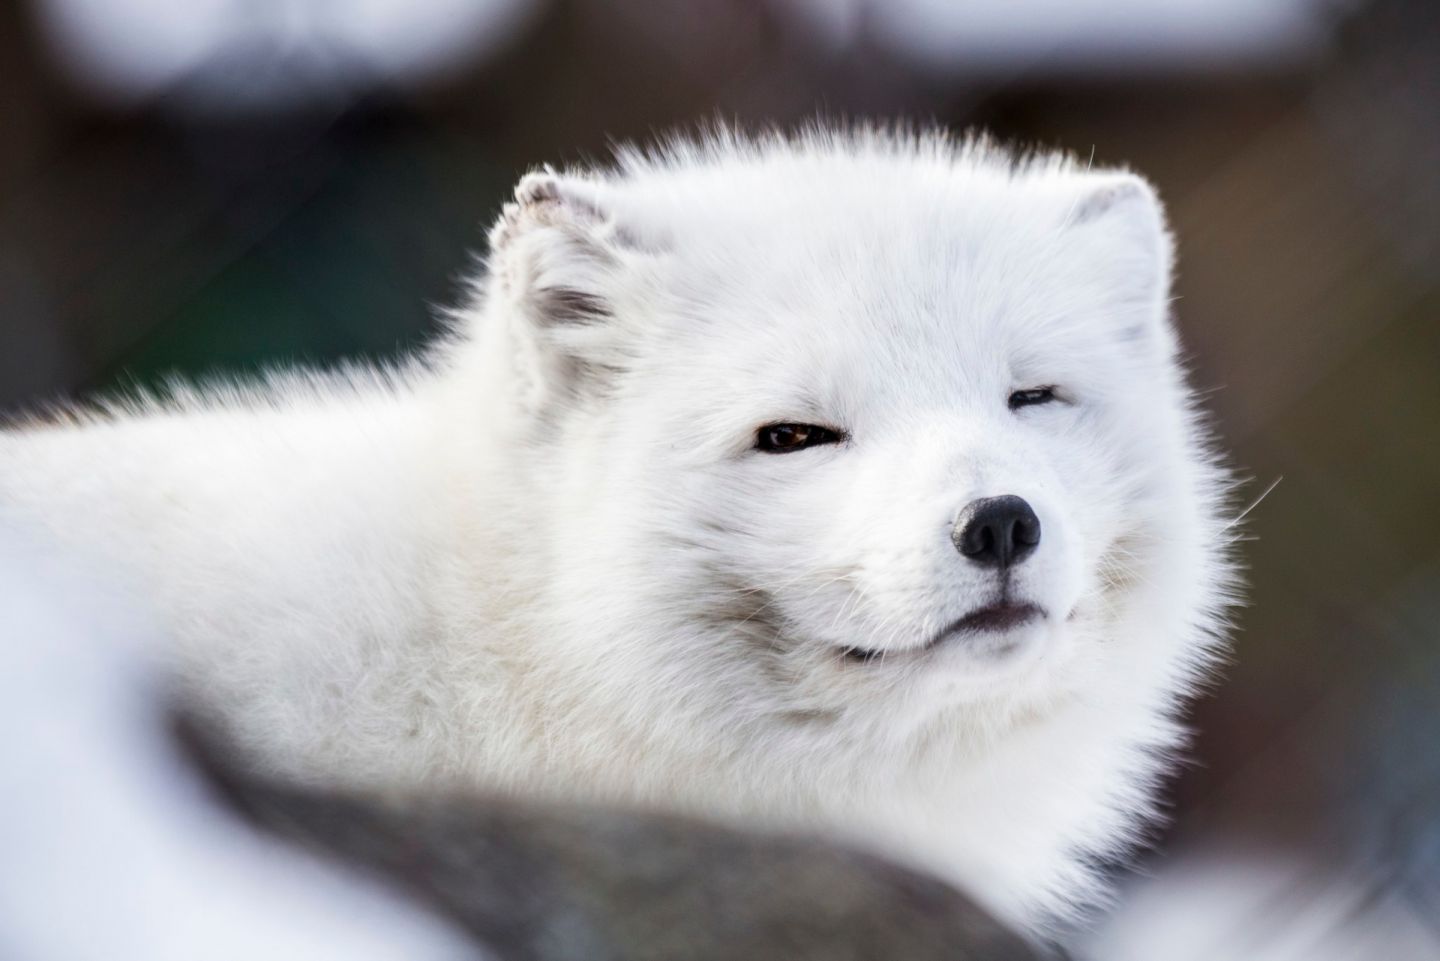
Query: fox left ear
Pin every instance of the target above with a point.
(1124, 224)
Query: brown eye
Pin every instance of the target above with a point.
(784, 438)
(1031, 398)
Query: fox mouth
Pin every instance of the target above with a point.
(994, 618)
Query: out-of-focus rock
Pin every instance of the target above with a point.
(563, 883)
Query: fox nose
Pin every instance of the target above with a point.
(997, 531)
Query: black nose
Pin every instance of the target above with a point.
(997, 531)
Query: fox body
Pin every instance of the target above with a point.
(848, 482)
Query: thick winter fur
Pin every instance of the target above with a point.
(549, 558)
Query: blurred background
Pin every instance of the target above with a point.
(227, 184)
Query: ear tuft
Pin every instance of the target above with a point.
(1107, 197)
(1119, 196)
(571, 306)
(545, 198)
(538, 187)
(545, 186)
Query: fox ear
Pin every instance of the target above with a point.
(1125, 233)
(561, 264)
(554, 252)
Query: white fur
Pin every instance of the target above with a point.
(547, 559)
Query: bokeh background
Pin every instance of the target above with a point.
(220, 185)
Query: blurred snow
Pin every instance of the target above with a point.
(989, 35)
(1263, 906)
(249, 54)
(207, 55)
(112, 848)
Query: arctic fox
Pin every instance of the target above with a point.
(846, 481)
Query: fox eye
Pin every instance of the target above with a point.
(1031, 397)
(785, 438)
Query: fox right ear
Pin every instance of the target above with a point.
(561, 264)
(556, 252)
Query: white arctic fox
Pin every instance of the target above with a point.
(848, 482)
